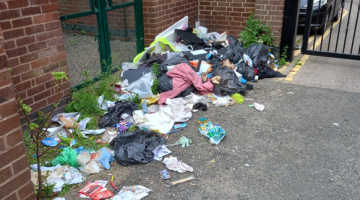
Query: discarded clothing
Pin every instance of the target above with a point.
(136, 147)
(155, 58)
(113, 116)
(174, 164)
(166, 84)
(183, 76)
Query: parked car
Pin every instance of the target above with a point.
(325, 12)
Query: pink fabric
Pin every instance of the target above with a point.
(183, 76)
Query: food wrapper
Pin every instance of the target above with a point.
(214, 133)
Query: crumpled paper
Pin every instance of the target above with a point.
(174, 164)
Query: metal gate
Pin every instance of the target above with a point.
(97, 31)
(341, 40)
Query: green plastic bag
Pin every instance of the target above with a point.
(67, 156)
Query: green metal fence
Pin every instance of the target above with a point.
(116, 25)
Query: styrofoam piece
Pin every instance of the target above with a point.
(169, 33)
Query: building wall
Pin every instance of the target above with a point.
(15, 180)
(34, 48)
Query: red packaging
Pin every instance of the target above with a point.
(102, 195)
(91, 188)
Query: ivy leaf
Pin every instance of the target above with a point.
(33, 125)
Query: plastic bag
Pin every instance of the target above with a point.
(173, 61)
(125, 66)
(83, 158)
(258, 53)
(229, 83)
(136, 147)
(224, 101)
(248, 73)
(67, 156)
(142, 86)
(113, 116)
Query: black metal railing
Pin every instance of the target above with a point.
(324, 12)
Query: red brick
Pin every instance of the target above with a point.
(8, 109)
(39, 63)
(9, 44)
(57, 57)
(18, 3)
(30, 74)
(55, 41)
(29, 57)
(65, 85)
(28, 101)
(23, 86)
(38, 105)
(60, 48)
(13, 196)
(35, 90)
(38, 2)
(21, 164)
(3, 6)
(31, 197)
(5, 174)
(34, 29)
(9, 14)
(25, 40)
(16, 79)
(5, 25)
(30, 11)
(44, 36)
(42, 18)
(49, 8)
(12, 62)
(16, 52)
(50, 67)
(3, 62)
(12, 139)
(13, 33)
(26, 190)
(21, 22)
(2, 144)
(5, 78)
(20, 69)
(48, 52)
(42, 95)
(19, 180)
(37, 46)
(55, 16)
(58, 32)
(53, 25)
(6, 126)
(50, 84)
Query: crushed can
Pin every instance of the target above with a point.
(165, 174)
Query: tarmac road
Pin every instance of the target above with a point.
(292, 150)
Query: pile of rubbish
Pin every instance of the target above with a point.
(183, 71)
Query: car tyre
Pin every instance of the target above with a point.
(337, 16)
(323, 28)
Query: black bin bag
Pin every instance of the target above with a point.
(136, 147)
(229, 83)
(258, 53)
(173, 61)
(113, 116)
(247, 71)
(165, 84)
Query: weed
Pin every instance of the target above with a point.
(155, 68)
(299, 63)
(66, 188)
(299, 41)
(256, 33)
(83, 32)
(154, 87)
(73, 42)
(283, 56)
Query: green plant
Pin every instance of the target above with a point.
(283, 56)
(73, 42)
(154, 87)
(254, 32)
(83, 32)
(38, 130)
(155, 68)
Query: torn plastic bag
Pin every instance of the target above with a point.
(259, 54)
(165, 84)
(113, 116)
(142, 86)
(136, 147)
(229, 83)
(172, 62)
(163, 120)
(135, 74)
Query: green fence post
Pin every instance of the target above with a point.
(139, 26)
(104, 41)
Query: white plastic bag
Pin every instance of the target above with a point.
(142, 86)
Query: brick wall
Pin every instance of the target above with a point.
(15, 180)
(161, 14)
(271, 12)
(34, 48)
(227, 15)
